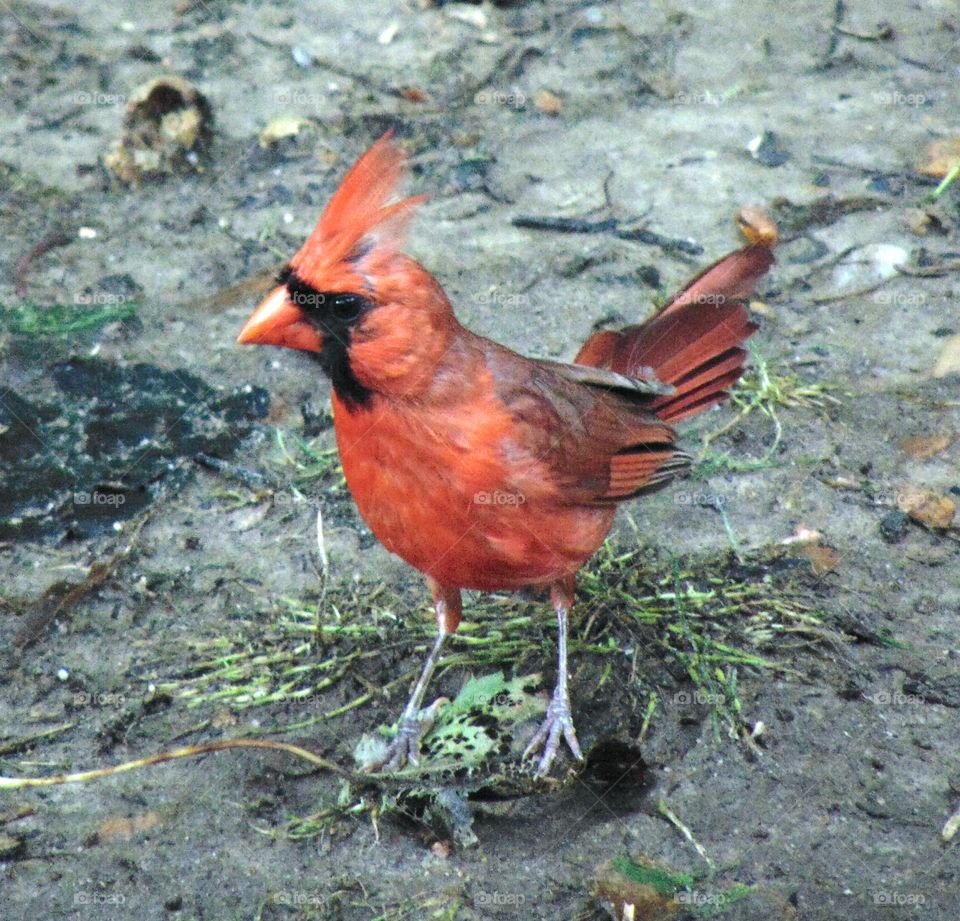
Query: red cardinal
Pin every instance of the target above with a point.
(480, 467)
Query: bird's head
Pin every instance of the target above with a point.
(377, 320)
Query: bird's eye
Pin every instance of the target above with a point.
(345, 306)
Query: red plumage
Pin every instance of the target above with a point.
(478, 466)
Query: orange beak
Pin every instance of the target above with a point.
(278, 321)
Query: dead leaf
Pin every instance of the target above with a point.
(948, 361)
(282, 127)
(167, 128)
(442, 849)
(124, 828)
(822, 558)
(757, 226)
(940, 157)
(413, 94)
(926, 507)
(762, 309)
(547, 102)
(10, 847)
(921, 447)
(921, 222)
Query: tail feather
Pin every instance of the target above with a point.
(694, 343)
(689, 404)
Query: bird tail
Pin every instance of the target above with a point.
(695, 342)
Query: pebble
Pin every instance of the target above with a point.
(893, 526)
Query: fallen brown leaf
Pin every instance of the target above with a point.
(926, 507)
(124, 828)
(822, 558)
(757, 226)
(921, 447)
(940, 157)
(547, 102)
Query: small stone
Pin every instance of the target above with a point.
(948, 361)
(301, 57)
(893, 526)
(768, 150)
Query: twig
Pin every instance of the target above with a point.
(564, 224)
(50, 241)
(676, 822)
(611, 225)
(190, 751)
(929, 271)
(839, 12)
(249, 478)
(20, 744)
(57, 600)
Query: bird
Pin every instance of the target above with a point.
(480, 467)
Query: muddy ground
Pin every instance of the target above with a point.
(129, 567)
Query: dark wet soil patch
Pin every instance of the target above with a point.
(115, 437)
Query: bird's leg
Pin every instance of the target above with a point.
(559, 720)
(413, 723)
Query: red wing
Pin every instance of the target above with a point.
(599, 444)
(694, 342)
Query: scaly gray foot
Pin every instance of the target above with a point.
(559, 722)
(405, 748)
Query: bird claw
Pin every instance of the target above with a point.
(405, 747)
(559, 721)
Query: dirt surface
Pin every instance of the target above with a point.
(132, 573)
